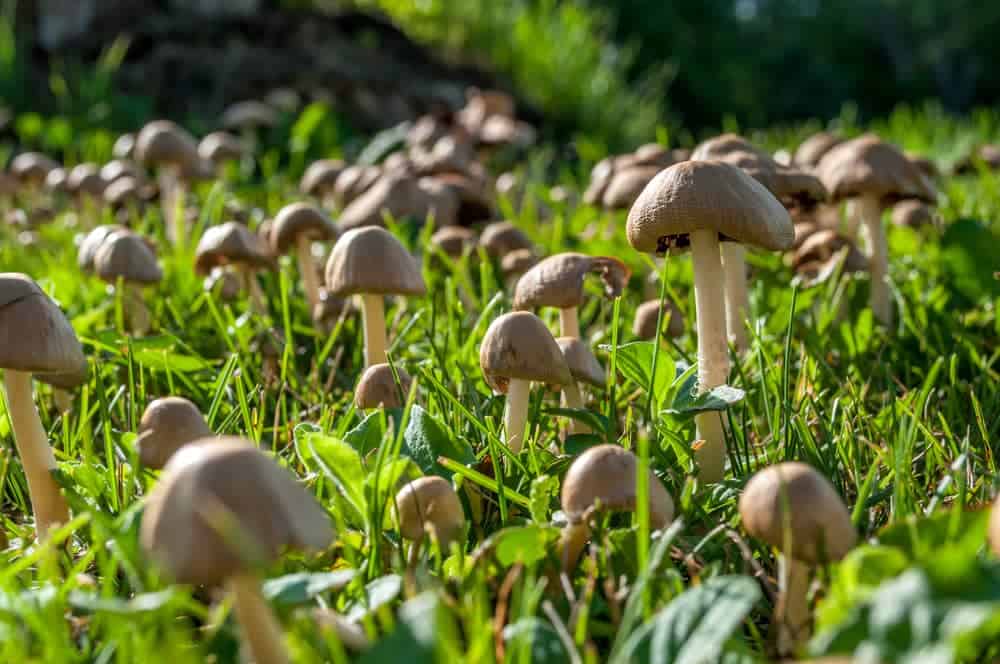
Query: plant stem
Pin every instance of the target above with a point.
(515, 416)
(310, 280)
(734, 265)
(569, 322)
(869, 215)
(259, 627)
(792, 609)
(573, 398)
(373, 321)
(138, 312)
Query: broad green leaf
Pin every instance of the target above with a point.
(923, 537)
(426, 439)
(370, 432)
(337, 461)
(301, 587)
(686, 402)
(523, 544)
(379, 592)
(537, 639)
(635, 362)
(141, 603)
(544, 489)
(969, 251)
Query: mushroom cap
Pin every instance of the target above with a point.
(395, 194)
(299, 219)
(720, 147)
(811, 150)
(454, 241)
(868, 166)
(321, 176)
(518, 262)
(502, 237)
(654, 154)
(213, 485)
(120, 168)
(286, 100)
(913, 214)
(377, 387)
(581, 361)
(600, 177)
(354, 181)
(124, 147)
(327, 309)
(557, 281)
(503, 130)
(430, 504)
(371, 260)
(625, 186)
(35, 336)
(92, 242)
(167, 425)
(792, 499)
(126, 255)
(122, 190)
(519, 346)
(32, 167)
(604, 478)
(924, 163)
(56, 180)
(68, 380)
(221, 146)
(475, 203)
(249, 114)
(644, 325)
(164, 143)
(86, 179)
(229, 243)
(822, 245)
(708, 195)
(426, 131)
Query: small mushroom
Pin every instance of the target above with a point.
(299, 225)
(249, 118)
(913, 214)
(167, 425)
(584, 368)
(378, 388)
(173, 152)
(454, 241)
(604, 478)
(327, 311)
(120, 168)
(226, 283)
(233, 244)
(126, 256)
(646, 315)
(625, 186)
(220, 148)
(320, 179)
(56, 181)
(85, 182)
(819, 252)
(517, 350)
(429, 506)
(514, 264)
(811, 150)
(793, 508)
(502, 237)
(354, 181)
(400, 196)
(31, 168)
(92, 242)
(124, 147)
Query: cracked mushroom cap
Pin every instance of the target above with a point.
(167, 425)
(321, 176)
(557, 281)
(581, 361)
(92, 242)
(707, 195)
(164, 143)
(502, 237)
(297, 220)
(377, 387)
(644, 325)
(32, 167)
(85, 179)
(913, 214)
(125, 255)
(625, 186)
(229, 243)
(454, 241)
(868, 166)
(220, 147)
(811, 151)
(430, 505)
(371, 260)
(519, 346)
(250, 114)
(604, 478)
(223, 506)
(35, 336)
(792, 501)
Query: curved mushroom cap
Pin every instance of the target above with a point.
(502, 237)
(125, 255)
(221, 146)
(811, 151)
(517, 262)
(286, 100)
(299, 219)
(398, 195)
(454, 241)
(371, 260)
(430, 505)
(124, 147)
(249, 114)
(452, 153)
(92, 242)
(644, 325)
(223, 506)
(475, 203)
(626, 185)
(167, 425)
(582, 364)
(557, 281)
(654, 154)
(85, 179)
(120, 168)
(519, 346)
(164, 143)
(57, 181)
(791, 500)
(822, 246)
(604, 478)
(913, 214)
(321, 176)
(720, 147)
(377, 388)
(327, 310)
(600, 177)
(32, 167)
(707, 195)
(123, 190)
(35, 336)
(925, 164)
(229, 243)
(68, 380)
(354, 181)
(868, 166)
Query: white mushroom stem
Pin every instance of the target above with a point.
(573, 398)
(258, 625)
(713, 353)
(138, 312)
(569, 322)
(515, 414)
(867, 211)
(36, 456)
(571, 543)
(734, 264)
(310, 279)
(373, 321)
(792, 609)
(258, 303)
(169, 184)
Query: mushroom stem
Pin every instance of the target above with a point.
(36, 455)
(713, 354)
(571, 543)
(569, 322)
(138, 312)
(373, 321)
(515, 415)
(792, 609)
(868, 212)
(734, 265)
(573, 398)
(258, 302)
(310, 280)
(169, 184)
(260, 628)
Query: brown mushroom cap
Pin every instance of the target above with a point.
(123, 190)
(221, 146)
(792, 499)
(371, 260)
(654, 154)
(86, 179)
(164, 143)
(604, 478)
(707, 195)
(557, 281)
(625, 186)
(57, 180)
(519, 346)
(454, 241)
(120, 168)
(299, 219)
(811, 150)
(398, 195)
(92, 242)
(430, 504)
(321, 176)
(725, 145)
(377, 387)
(354, 181)
(35, 336)
(868, 166)
(581, 362)
(68, 380)
(125, 255)
(229, 243)
(502, 237)
(212, 487)
(822, 245)
(644, 325)
(124, 147)
(32, 167)
(600, 177)
(167, 425)
(517, 262)
(249, 114)
(913, 214)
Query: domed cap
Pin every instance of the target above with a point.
(300, 219)
(120, 168)
(600, 177)
(92, 242)
(249, 114)
(518, 262)
(913, 214)
(354, 181)
(791, 499)
(816, 252)
(395, 194)
(125, 255)
(557, 281)
(722, 146)
(454, 241)
(221, 146)
(644, 325)
(625, 186)
(430, 505)
(581, 362)
(124, 147)
(213, 484)
(809, 153)
(604, 478)
(377, 388)
(68, 380)
(321, 176)
(167, 425)
(371, 260)
(122, 191)
(868, 166)
(162, 142)
(519, 346)
(57, 181)
(654, 154)
(229, 243)
(32, 167)
(35, 336)
(86, 179)
(502, 237)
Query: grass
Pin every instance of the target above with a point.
(903, 421)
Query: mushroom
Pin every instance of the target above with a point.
(502, 237)
(811, 150)
(299, 225)
(173, 152)
(793, 508)
(92, 242)
(320, 179)
(116, 169)
(327, 311)
(604, 478)
(872, 174)
(226, 283)
(517, 350)
(354, 181)
(429, 506)
(557, 281)
(820, 251)
(584, 368)
(232, 243)
(220, 148)
(124, 147)
(400, 195)
(514, 264)
(85, 181)
(126, 256)
(221, 509)
(626, 184)
(913, 214)
(646, 315)
(378, 389)
(56, 181)
(696, 203)
(454, 241)
(35, 338)
(124, 195)
(371, 262)
(31, 168)
(167, 425)
(248, 118)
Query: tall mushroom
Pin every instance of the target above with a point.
(233, 244)
(517, 350)
(173, 152)
(648, 313)
(377, 387)
(584, 368)
(299, 225)
(371, 263)
(695, 203)
(126, 256)
(167, 425)
(35, 338)
(429, 506)
(796, 510)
